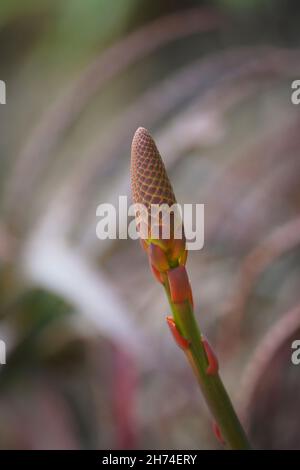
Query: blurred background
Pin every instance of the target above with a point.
(90, 361)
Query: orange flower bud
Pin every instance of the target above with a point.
(158, 258)
(151, 187)
(156, 273)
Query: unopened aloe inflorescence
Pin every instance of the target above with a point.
(167, 257)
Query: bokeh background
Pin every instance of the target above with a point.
(90, 362)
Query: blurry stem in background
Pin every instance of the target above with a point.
(60, 116)
(167, 257)
(280, 241)
(279, 337)
(124, 394)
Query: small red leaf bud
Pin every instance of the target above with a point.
(182, 342)
(217, 433)
(213, 365)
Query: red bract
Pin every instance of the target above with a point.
(182, 342)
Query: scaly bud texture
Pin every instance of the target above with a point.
(167, 257)
(151, 186)
(149, 180)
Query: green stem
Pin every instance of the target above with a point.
(212, 387)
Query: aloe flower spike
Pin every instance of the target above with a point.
(167, 257)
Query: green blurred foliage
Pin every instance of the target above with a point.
(32, 314)
(70, 28)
